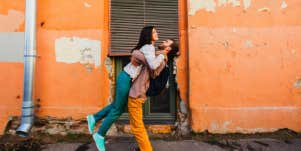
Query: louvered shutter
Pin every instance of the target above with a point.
(128, 17)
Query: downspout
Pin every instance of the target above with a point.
(29, 69)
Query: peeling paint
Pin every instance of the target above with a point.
(219, 127)
(226, 124)
(86, 4)
(255, 130)
(109, 67)
(297, 84)
(210, 5)
(12, 21)
(195, 5)
(235, 3)
(248, 44)
(247, 4)
(75, 49)
(182, 125)
(283, 5)
(226, 44)
(214, 126)
(222, 2)
(183, 107)
(264, 9)
(108, 64)
(285, 108)
(12, 46)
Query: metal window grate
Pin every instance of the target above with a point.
(128, 17)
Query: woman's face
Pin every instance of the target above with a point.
(154, 35)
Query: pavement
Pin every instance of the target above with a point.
(128, 144)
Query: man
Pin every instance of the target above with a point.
(137, 94)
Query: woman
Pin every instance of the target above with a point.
(112, 112)
(152, 65)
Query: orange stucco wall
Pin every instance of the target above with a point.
(11, 77)
(244, 71)
(63, 89)
(244, 65)
(68, 90)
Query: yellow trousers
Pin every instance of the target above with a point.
(137, 125)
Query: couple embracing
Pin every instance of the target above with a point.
(131, 86)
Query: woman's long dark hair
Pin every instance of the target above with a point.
(146, 36)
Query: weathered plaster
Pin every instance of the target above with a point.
(248, 44)
(219, 127)
(247, 4)
(87, 5)
(264, 9)
(255, 130)
(244, 119)
(109, 67)
(272, 108)
(182, 125)
(234, 3)
(12, 21)
(12, 46)
(75, 49)
(196, 5)
(283, 5)
(210, 5)
(222, 2)
(224, 127)
(297, 84)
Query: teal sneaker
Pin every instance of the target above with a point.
(91, 123)
(99, 142)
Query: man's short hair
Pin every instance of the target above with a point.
(174, 48)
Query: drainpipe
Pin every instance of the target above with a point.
(29, 69)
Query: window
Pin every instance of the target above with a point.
(128, 17)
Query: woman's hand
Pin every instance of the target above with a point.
(135, 61)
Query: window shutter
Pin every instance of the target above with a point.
(126, 22)
(164, 15)
(128, 17)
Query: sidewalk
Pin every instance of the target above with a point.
(280, 140)
(127, 144)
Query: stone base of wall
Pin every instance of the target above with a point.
(54, 126)
(3, 124)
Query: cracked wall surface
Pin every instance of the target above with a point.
(74, 49)
(244, 65)
(71, 70)
(71, 80)
(11, 60)
(212, 6)
(239, 64)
